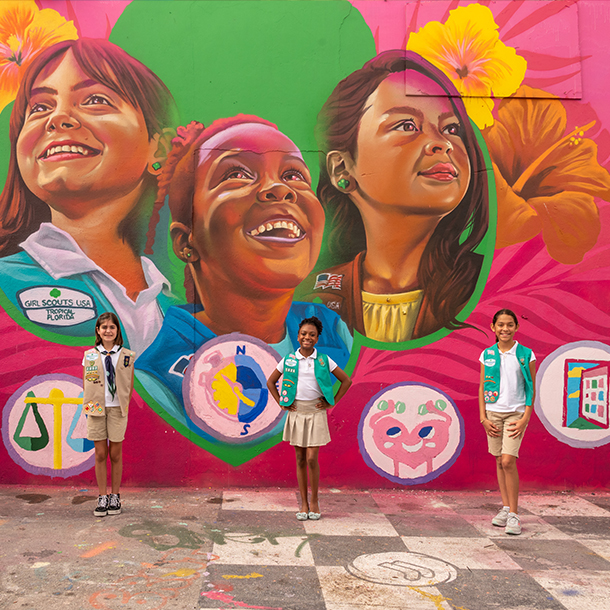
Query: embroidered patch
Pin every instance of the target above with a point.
(92, 377)
(290, 362)
(490, 396)
(93, 408)
(489, 362)
(328, 280)
(126, 361)
(321, 361)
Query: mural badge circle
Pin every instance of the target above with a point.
(410, 433)
(225, 388)
(44, 428)
(572, 398)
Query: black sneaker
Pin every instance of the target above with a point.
(101, 510)
(114, 507)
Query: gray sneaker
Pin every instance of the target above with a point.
(513, 524)
(501, 518)
(114, 504)
(101, 510)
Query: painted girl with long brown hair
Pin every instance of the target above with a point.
(87, 133)
(403, 183)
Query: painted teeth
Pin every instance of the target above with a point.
(67, 148)
(295, 232)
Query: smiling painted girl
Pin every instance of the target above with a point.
(248, 227)
(403, 184)
(88, 133)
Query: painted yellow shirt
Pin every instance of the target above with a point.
(391, 317)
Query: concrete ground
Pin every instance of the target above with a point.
(203, 548)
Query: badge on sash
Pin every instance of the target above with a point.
(93, 408)
(126, 361)
(321, 361)
(92, 377)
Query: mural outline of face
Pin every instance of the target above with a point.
(410, 154)
(81, 141)
(256, 219)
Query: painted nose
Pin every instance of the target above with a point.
(276, 191)
(61, 120)
(438, 146)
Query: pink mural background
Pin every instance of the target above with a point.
(565, 45)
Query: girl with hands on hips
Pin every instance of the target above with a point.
(306, 393)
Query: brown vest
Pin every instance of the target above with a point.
(94, 380)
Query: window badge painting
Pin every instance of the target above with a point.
(225, 390)
(576, 377)
(410, 433)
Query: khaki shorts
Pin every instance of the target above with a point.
(110, 426)
(504, 443)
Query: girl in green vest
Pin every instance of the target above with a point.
(306, 393)
(506, 401)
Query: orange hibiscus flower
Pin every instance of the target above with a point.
(25, 30)
(546, 179)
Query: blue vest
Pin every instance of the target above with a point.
(291, 375)
(491, 362)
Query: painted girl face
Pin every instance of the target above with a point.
(255, 218)
(410, 152)
(81, 144)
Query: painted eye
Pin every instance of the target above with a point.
(39, 107)
(454, 129)
(426, 432)
(293, 174)
(96, 100)
(394, 431)
(237, 173)
(407, 125)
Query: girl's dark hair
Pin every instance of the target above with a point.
(505, 312)
(314, 322)
(108, 315)
(21, 212)
(449, 267)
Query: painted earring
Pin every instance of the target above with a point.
(187, 252)
(342, 183)
(156, 165)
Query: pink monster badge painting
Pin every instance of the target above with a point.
(410, 433)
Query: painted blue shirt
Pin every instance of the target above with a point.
(160, 369)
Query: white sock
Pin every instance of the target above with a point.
(506, 508)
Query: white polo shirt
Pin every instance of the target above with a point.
(512, 384)
(307, 384)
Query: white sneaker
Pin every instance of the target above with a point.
(501, 518)
(513, 524)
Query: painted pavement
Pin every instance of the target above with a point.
(204, 548)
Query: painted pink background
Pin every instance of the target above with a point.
(563, 303)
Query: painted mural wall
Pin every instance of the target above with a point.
(214, 172)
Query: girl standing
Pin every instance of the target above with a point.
(306, 394)
(506, 397)
(108, 385)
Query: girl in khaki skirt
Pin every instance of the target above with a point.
(306, 394)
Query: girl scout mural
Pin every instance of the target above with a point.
(400, 179)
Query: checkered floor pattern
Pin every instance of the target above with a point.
(409, 550)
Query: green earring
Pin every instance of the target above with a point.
(156, 165)
(342, 183)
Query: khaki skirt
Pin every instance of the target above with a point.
(307, 426)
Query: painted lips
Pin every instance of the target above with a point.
(444, 172)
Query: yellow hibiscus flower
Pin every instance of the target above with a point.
(467, 48)
(25, 30)
(546, 179)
